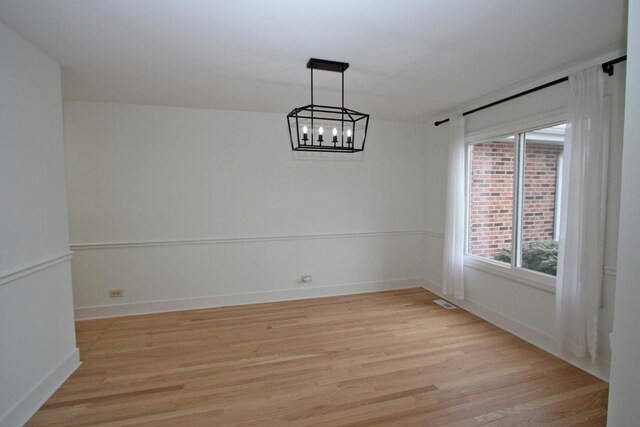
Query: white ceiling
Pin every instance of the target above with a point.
(409, 58)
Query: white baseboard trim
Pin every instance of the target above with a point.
(20, 413)
(533, 336)
(97, 312)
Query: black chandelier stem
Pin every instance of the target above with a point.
(342, 117)
(342, 89)
(311, 104)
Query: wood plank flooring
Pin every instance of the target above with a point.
(387, 358)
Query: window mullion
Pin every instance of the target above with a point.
(467, 192)
(518, 190)
(556, 216)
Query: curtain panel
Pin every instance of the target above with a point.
(582, 220)
(453, 257)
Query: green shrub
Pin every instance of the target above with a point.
(539, 256)
(504, 255)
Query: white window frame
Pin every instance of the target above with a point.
(517, 128)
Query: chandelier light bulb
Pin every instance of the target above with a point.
(320, 130)
(335, 131)
(349, 132)
(304, 129)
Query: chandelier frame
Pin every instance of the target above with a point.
(351, 125)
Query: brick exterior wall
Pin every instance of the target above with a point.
(540, 178)
(491, 200)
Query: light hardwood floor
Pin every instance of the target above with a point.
(387, 358)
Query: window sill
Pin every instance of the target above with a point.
(530, 278)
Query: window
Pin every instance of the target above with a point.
(513, 191)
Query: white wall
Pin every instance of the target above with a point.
(214, 207)
(527, 311)
(624, 392)
(36, 314)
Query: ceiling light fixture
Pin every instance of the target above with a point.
(307, 124)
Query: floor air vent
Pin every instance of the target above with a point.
(445, 304)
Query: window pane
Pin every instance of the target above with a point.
(540, 210)
(491, 199)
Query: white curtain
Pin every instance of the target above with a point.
(581, 255)
(453, 262)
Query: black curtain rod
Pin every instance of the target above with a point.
(607, 67)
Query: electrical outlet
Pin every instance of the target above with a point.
(306, 278)
(115, 293)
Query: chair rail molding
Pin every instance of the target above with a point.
(253, 239)
(437, 234)
(12, 275)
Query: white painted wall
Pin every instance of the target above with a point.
(530, 312)
(144, 174)
(37, 338)
(624, 392)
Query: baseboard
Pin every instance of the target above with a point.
(160, 306)
(546, 342)
(20, 413)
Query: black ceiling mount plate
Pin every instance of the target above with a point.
(326, 65)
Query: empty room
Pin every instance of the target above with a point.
(337, 213)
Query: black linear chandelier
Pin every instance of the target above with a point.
(347, 128)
